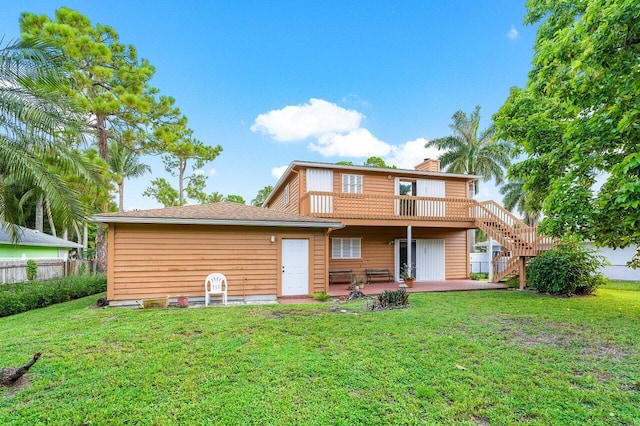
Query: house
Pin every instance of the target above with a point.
(49, 252)
(320, 218)
(393, 217)
(168, 252)
(617, 268)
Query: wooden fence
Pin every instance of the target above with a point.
(13, 271)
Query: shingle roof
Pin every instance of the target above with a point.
(222, 213)
(30, 237)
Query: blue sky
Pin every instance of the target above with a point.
(277, 81)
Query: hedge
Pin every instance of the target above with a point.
(22, 297)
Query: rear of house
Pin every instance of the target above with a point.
(168, 252)
(383, 209)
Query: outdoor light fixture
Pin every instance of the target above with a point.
(273, 238)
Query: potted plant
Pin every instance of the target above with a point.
(407, 275)
(358, 281)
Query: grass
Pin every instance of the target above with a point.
(491, 357)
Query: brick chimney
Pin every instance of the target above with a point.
(429, 165)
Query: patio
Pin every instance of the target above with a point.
(337, 290)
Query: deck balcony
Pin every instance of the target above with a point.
(403, 210)
(387, 209)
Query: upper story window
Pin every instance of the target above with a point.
(352, 184)
(346, 248)
(285, 195)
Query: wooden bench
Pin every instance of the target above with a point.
(373, 274)
(341, 275)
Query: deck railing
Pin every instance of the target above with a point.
(377, 206)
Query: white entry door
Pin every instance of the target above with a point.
(429, 260)
(295, 267)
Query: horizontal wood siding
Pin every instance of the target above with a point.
(319, 264)
(456, 189)
(293, 206)
(159, 260)
(377, 253)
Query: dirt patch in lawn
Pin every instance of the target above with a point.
(528, 333)
(286, 313)
(15, 387)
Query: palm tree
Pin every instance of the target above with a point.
(263, 194)
(467, 152)
(124, 164)
(516, 197)
(34, 118)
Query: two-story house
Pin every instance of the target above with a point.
(319, 218)
(394, 217)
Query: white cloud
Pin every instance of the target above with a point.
(513, 34)
(313, 119)
(277, 172)
(357, 143)
(198, 172)
(212, 172)
(411, 153)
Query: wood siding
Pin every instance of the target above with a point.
(377, 253)
(293, 206)
(157, 260)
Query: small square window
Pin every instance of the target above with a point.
(352, 184)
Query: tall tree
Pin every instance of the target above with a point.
(263, 194)
(577, 118)
(111, 84)
(124, 164)
(181, 148)
(470, 151)
(34, 114)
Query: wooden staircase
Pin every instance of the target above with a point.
(521, 242)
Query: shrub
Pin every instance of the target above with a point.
(32, 270)
(390, 299)
(478, 276)
(570, 268)
(321, 296)
(21, 297)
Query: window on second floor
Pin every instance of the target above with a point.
(346, 248)
(285, 196)
(352, 184)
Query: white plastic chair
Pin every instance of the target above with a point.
(215, 283)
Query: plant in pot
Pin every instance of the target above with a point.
(407, 275)
(358, 281)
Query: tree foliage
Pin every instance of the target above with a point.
(233, 198)
(162, 191)
(471, 151)
(35, 117)
(110, 82)
(579, 117)
(262, 196)
(124, 163)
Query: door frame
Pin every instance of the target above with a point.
(396, 260)
(311, 252)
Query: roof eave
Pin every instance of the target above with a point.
(178, 221)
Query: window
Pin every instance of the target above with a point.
(352, 184)
(285, 196)
(346, 248)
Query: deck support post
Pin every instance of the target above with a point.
(409, 259)
(490, 252)
(523, 272)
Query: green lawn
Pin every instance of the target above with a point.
(491, 357)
